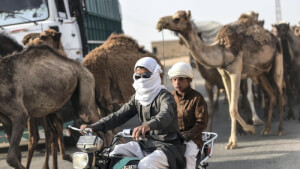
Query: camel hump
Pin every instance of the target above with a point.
(233, 35)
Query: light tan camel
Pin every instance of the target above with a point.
(37, 82)
(251, 61)
(213, 78)
(112, 65)
(53, 124)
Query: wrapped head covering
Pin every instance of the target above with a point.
(146, 89)
(181, 69)
(147, 62)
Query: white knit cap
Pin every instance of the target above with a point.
(146, 62)
(181, 69)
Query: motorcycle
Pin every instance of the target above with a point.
(94, 155)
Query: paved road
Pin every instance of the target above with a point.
(261, 152)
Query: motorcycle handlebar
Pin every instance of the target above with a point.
(85, 131)
(124, 133)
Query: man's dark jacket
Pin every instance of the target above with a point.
(161, 116)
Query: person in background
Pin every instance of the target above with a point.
(191, 109)
(156, 110)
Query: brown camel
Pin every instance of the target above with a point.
(37, 82)
(251, 60)
(112, 65)
(53, 123)
(291, 53)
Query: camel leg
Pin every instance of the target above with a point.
(48, 140)
(272, 99)
(226, 82)
(244, 105)
(34, 138)
(216, 101)
(52, 142)
(234, 114)
(279, 83)
(211, 111)
(281, 106)
(54, 147)
(58, 123)
(227, 86)
(299, 109)
(289, 95)
(18, 117)
(263, 100)
(299, 115)
(225, 97)
(256, 120)
(290, 115)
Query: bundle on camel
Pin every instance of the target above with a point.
(247, 26)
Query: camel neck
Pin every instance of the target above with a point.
(210, 56)
(293, 41)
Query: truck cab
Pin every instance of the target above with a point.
(19, 18)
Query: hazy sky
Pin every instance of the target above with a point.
(139, 17)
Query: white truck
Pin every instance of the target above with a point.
(20, 17)
(84, 24)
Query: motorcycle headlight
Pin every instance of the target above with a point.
(80, 160)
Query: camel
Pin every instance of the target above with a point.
(212, 78)
(112, 65)
(250, 59)
(37, 82)
(52, 124)
(291, 53)
(49, 37)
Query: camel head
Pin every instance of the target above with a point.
(250, 19)
(51, 38)
(48, 37)
(254, 15)
(296, 31)
(180, 22)
(282, 30)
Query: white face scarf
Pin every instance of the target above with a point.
(146, 89)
